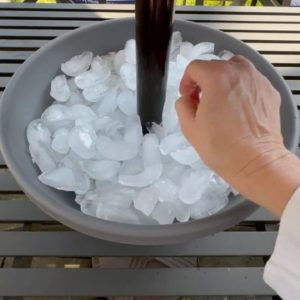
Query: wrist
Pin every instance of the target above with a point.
(270, 179)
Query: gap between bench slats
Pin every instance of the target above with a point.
(130, 282)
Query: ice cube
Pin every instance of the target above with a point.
(174, 172)
(89, 207)
(76, 96)
(130, 51)
(169, 117)
(102, 66)
(234, 191)
(182, 211)
(200, 49)
(133, 131)
(146, 200)
(151, 153)
(117, 214)
(194, 186)
(114, 129)
(127, 102)
(108, 104)
(122, 149)
(148, 176)
(82, 112)
(82, 140)
(60, 89)
(63, 178)
(42, 156)
(38, 132)
(77, 64)
(208, 57)
(115, 150)
(60, 141)
(101, 170)
(73, 161)
(158, 130)
(152, 165)
(166, 189)
(91, 195)
(117, 196)
(164, 213)
(185, 49)
(172, 142)
(96, 92)
(181, 64)
(91, 78)
(119, 60)
(175, 44)
(108, 59)
(225, 55)
(100, 123)
(132, 166)
(56, 112)
(211, 202)
(186, 156)
(173, 75)
(128, 75)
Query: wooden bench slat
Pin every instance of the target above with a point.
(273, 58)
(21, 211)
(74, 244)
(133, 282)
(274, 47)
(271, 47)
(7, 43)
(294, 85)
(107, 7)
(272, 27)
(265, 36)
(297, 99)
(32, 32)
(7, 182)
(289, 71)
(4, 81)
(200, 16)
(283, 71)
(249, 36)
(9, 68)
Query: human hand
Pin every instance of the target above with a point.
(235, 126)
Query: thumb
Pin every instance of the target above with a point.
(186, 108)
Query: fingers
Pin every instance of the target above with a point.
(186, 109)
(193, 76)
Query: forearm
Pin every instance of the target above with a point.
(270, 182)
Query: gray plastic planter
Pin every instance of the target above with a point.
(27, 95)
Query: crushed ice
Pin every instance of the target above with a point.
(89, 141)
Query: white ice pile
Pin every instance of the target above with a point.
(89, 141)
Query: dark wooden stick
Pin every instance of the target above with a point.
(154, 23)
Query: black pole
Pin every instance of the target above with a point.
(154, 22)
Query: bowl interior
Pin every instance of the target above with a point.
(27, 95)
